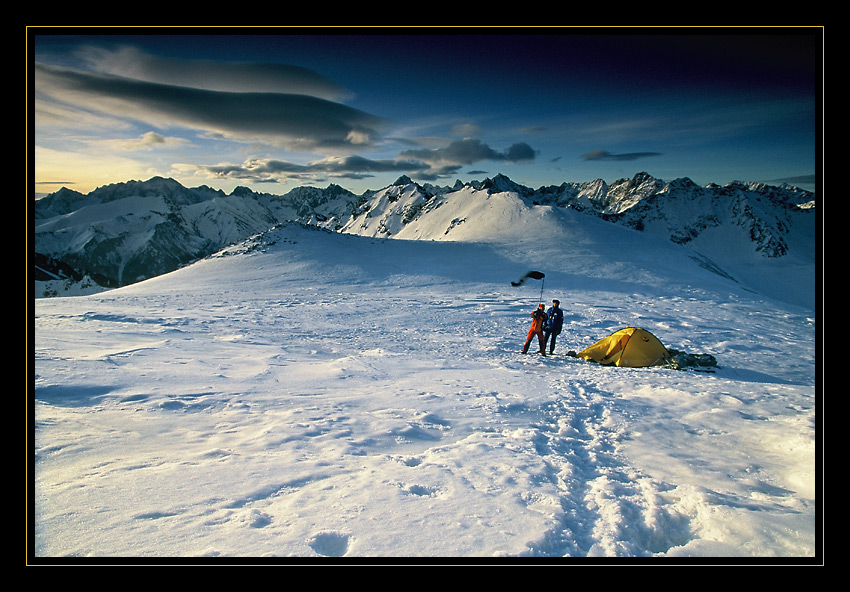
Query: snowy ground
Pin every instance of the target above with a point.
(332, 396)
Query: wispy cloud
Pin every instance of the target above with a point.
(269, 170)
(225, 76)
(605, 155)
(428, 164)
(293, 121)
(147, 141)
(468, 151)
(275, 105)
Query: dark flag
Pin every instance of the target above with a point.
(535, 275)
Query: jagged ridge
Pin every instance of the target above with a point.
(127, 232)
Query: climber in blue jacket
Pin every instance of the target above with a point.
(554, 324)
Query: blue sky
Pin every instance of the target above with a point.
(360, 107)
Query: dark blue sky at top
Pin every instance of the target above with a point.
(712, 105)
(527, 69)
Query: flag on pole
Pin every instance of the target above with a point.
(535, 275)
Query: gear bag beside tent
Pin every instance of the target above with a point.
(631, 347)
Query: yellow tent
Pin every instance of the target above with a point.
(631, 347)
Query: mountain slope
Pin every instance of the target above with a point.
(310, 393)
(128, 232)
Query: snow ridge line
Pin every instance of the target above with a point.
(608, 508)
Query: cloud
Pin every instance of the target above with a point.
(267, 170)
(255, 104)
(147, 141)
(466, 130)
(130, 62)
(468, 151)
(519, 152)
(605, 155)
(427, 164)
(293, 121)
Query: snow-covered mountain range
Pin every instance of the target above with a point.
(122, 233)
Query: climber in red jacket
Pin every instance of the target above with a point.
(538, 318)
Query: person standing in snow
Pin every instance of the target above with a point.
(538, 318)
(554, 324)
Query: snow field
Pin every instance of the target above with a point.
(344, 397)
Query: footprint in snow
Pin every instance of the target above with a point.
(330, 544)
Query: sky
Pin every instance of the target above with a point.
(273, 109)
